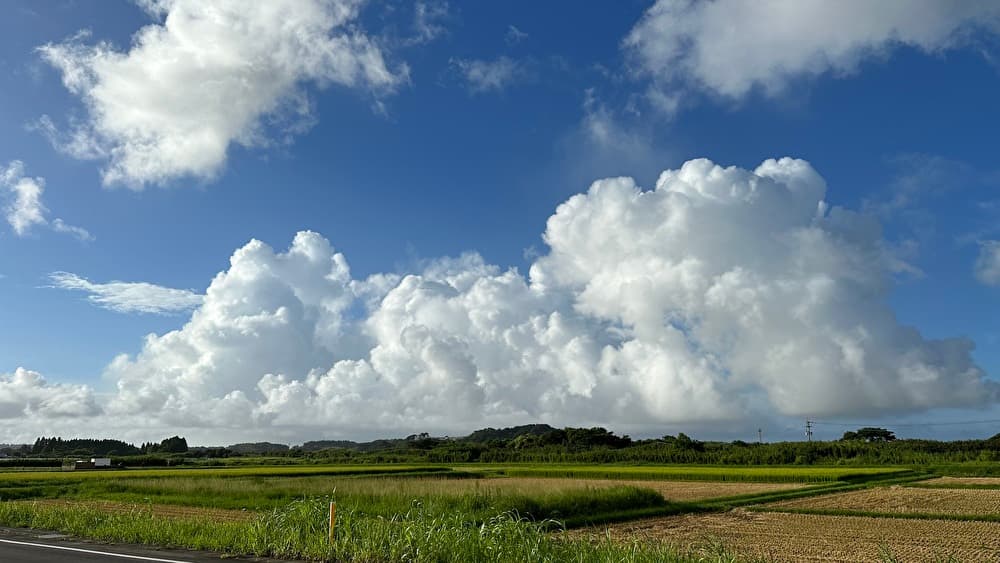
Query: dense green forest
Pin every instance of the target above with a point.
(538, 443)
(58, 447)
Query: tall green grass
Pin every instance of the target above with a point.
(299, 530)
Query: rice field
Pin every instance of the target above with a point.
(385, 496)
(673, 491)
(437, 513)
(768, 474)
(265, 471)
(268, 492)
(410, 515)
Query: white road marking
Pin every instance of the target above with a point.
(94, 552)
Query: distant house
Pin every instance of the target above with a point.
(94, 463)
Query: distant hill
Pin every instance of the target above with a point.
(479, 437)
(258, 448)
(488, 434)
(373, 446)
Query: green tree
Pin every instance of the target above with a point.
(869, 434)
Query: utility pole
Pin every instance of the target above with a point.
(809, 430)
(760, 436)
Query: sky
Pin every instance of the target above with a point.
(330, 219)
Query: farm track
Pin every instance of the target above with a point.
(159, 510)
(904, 500)
(803, 537)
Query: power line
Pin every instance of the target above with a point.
(908, 424)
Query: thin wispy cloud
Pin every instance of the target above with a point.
(514, 35)
(987, 268)
(481, 76)
(429, 19)
(60, 226)
(25, 210)
(129, 297)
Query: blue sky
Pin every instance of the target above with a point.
(484, 119)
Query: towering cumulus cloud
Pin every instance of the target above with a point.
(719, 295)
(211, 74)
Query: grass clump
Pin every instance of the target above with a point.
(420, 536)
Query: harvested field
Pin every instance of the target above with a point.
(905, 500)
(952, 481)
(159, 510)
(805, 537)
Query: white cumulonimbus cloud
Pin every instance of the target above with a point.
(731, 47)
(719, 295)
(25, 209)
(213, 73)
(25, 396)
(987, 267)
(129, 297)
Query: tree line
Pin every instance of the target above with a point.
(58, 447)
(544, 444)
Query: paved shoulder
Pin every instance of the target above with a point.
(32, 546)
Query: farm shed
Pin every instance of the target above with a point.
(94, 463)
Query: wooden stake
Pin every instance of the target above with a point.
(333, 520)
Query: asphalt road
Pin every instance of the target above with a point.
(35, 552)
(32, 546)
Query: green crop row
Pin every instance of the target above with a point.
(260, 471)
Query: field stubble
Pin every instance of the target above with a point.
(905, 500)
(986, 482)
(778, 536)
